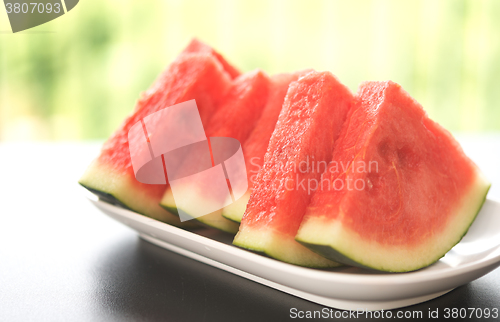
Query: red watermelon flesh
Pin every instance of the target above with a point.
(196, 46)
(241, 108)
(413, 192)
(236, 117)
(315, 107)
(255, 146)
(190, 76)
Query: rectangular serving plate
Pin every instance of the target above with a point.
(347, 288)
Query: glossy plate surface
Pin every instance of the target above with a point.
(344, 288)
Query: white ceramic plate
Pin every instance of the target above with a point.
(345, 288)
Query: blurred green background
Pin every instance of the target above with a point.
(78, 76)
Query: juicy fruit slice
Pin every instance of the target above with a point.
(314, 109)
(413, 192)
(190, 76)
(235, 118)
(255, 146)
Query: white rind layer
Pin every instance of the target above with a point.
(282, 248)
(236, 210)
(103, 178)
(213, 219)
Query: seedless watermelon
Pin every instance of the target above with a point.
(255, 146)
(402, 191)
(236, 117)
(315, 108)
(192, 75)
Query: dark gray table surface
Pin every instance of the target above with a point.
(63, 260)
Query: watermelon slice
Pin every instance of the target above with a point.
(198, 76)
(236, 118)
(255, 146)
(402, 193)
(315, 107)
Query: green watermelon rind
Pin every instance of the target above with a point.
(330, 251)
(167, 202)
(111, 199)
(173, 210)
(115, 188)
(106, 197)
(236, 210)
(224, 225)
(262, 242)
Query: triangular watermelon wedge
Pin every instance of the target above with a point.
(199, 74)
(314, 110)
(236, 117)
(402, 192)
(255, 146)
